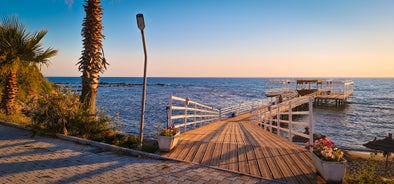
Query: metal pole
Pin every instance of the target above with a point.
(141, 26)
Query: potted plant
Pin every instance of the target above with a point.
(168, 138)
(328, 159)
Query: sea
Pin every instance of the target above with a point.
(369, 113)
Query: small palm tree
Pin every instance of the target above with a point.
(18, 49)
(92, 61)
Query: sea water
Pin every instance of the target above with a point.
(369, 113)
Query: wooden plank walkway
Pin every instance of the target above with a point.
(238, 145)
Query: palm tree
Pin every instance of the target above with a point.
(92, 61)
(18, 49)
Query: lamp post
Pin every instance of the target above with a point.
(141, 26)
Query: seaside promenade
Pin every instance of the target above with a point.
(35, 159)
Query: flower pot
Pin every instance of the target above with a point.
(331, 171)
(166, 143)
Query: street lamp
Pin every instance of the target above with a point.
(141, 26)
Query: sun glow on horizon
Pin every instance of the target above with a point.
(239, 39)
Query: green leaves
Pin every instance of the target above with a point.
(18, 49)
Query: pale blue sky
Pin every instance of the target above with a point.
(224, 38)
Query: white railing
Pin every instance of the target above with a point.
(189, 114)
(279, 118)
(346, 89)
(243, 107)
(339, 88)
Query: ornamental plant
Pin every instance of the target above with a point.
(325, 149)
(170, 131)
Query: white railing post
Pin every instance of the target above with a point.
(290, 121)
(169, 113)
(277, 120)
(185, 114)
(195, 116)
(260, 118)
(311, 127)
(204, 118)
(271, 119)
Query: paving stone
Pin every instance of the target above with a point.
(24, 159)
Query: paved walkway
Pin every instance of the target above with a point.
(27, 159)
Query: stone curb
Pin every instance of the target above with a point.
(110, 147)
(15, 125)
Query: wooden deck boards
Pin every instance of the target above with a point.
(241, 146)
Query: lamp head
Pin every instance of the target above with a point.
(140, 21)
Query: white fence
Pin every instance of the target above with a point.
(244, 107)
(342, 88)
(189, 114)
(279, 118)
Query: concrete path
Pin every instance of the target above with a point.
(27, 159)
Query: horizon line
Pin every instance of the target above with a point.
(225, 77)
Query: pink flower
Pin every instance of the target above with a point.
(326, 150)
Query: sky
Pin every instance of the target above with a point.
(222, 38)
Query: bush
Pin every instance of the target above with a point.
(61, 112)
(367, 174)
(58, 110)
(127, 141)
(16, 118)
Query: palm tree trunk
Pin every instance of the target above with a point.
(92, 61)
(89, 92)
(9, 93)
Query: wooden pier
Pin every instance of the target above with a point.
(237, 144)
(251, 143)
(324, 91)
(338, 99)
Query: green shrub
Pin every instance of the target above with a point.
(367, 174)
(126, 141)
(16, 118)
(32, 83)
(61, 112)
(47, 107)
